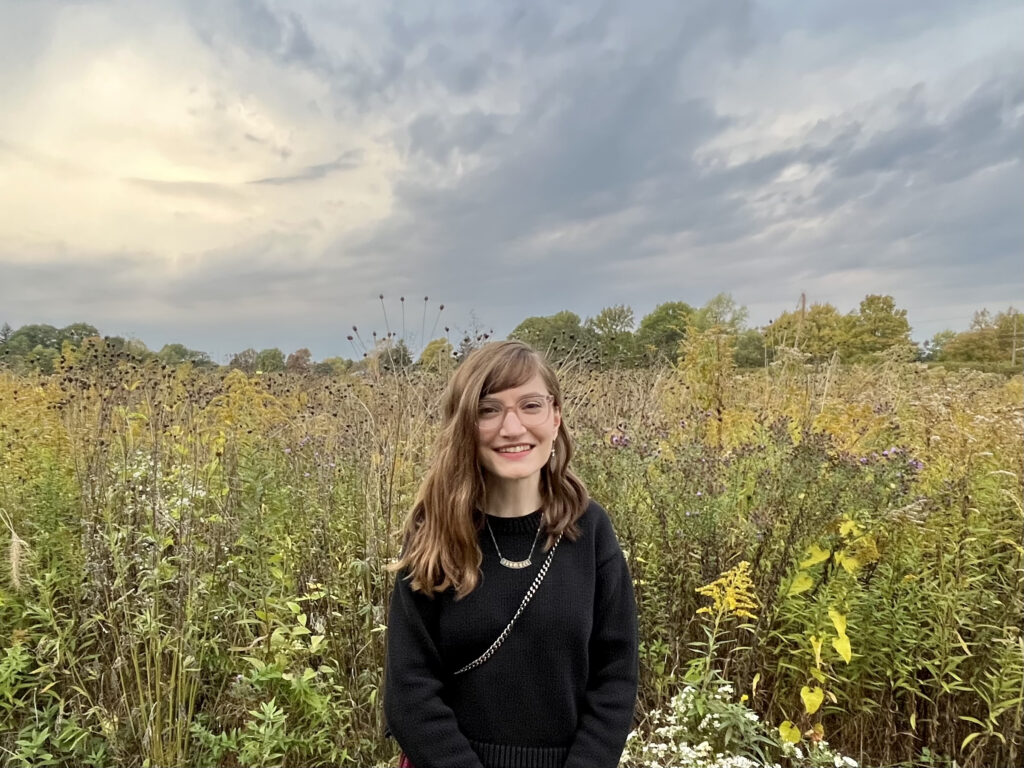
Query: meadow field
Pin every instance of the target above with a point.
(827, 560)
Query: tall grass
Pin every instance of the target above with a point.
(196, 560)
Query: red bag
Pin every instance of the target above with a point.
(403, 761)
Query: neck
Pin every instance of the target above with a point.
(512, 498)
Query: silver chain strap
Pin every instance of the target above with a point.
(526, 599)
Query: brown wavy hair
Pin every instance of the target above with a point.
(440, 546)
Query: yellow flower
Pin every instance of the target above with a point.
(732, 593)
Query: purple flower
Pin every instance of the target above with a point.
(863, 459)
(699, 493)
(287, 450)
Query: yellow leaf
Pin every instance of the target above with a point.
(815, 555)
(817, 733)
(753, 685)
(849, 528)
(801, 583)
(818, 675)
(789, 732)
(849, 562)
(812, 698)
(842, 646)
(816, 646)
(838, 620)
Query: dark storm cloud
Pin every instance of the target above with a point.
(623, 135)
(577, 155)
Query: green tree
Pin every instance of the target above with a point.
(438, 355)
(558, 336)
(749, 351)
(28, 337)
(333, 366)
(270, 360)
(990, 339)
(934, 348)
(134, 348)
(394, 355)
(42, 359)
(77, 332)
(176, 354)
(720, 312)
(612, 330)
(821, 331)
(663, 330)
(5, 333)
(879, 326)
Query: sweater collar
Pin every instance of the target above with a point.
(525, 524)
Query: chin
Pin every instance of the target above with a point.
(512, 473)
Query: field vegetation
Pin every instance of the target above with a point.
(827, 559)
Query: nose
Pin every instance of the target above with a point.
(516, 427)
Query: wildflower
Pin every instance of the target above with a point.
(732, 593)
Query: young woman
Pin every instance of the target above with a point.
(512, 636)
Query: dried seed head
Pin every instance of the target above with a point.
(14, 553)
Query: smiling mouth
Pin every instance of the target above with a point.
(515, 449)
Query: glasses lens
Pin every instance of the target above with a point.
(533, 410)
(530, 411)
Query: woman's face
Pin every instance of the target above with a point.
(516, 429)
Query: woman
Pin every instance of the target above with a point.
(512, 629)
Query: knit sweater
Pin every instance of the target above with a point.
(559, 692)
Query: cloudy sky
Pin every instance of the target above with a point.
(254, 173)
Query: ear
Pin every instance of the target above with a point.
(557, 419)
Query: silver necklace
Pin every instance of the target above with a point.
(515, 564)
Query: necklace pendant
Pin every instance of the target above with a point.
(516, 564)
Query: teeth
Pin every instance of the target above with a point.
(516, 449)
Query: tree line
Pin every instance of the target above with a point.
(610, 339)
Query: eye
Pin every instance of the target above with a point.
(532, 406)
(487, 409)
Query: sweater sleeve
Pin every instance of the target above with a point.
(607, 713)
(419, 719)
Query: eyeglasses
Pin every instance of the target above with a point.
(530, 411)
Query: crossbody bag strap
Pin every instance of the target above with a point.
(526, 599)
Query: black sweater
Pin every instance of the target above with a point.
(560, 691)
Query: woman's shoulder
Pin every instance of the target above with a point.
(596, 524)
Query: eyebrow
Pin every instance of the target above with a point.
(521, 397)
